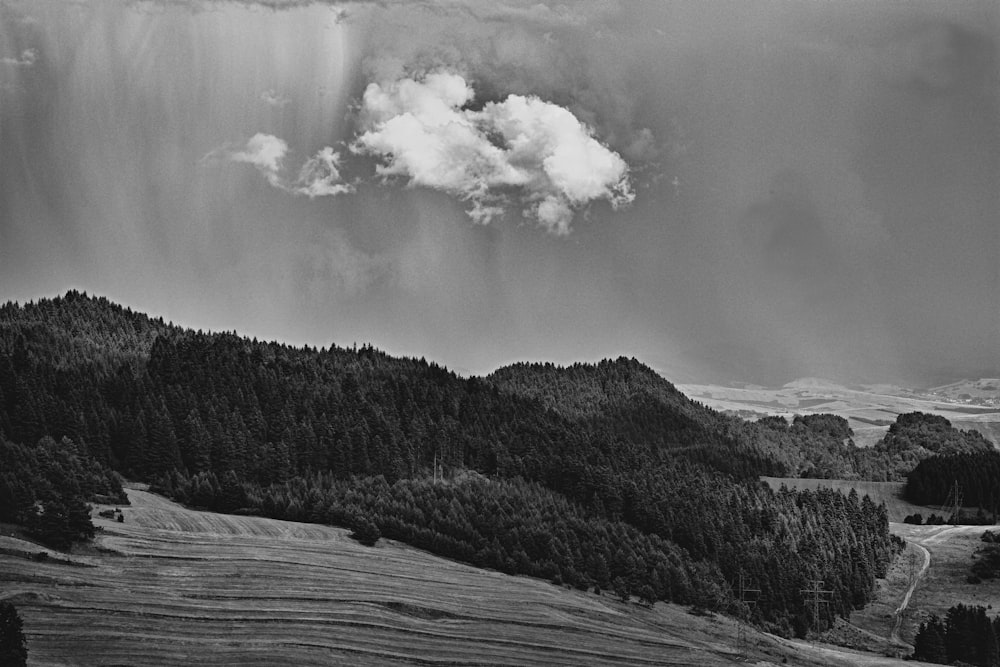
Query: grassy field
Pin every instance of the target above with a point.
(875, 623)
(951, 552)
(889, 493)
(172, 586)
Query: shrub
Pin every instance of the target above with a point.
(365, 532)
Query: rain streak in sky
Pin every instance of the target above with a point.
(729, 191)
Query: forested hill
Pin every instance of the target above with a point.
(163, 393)
(627, 400)
(598, 475)
(593, 390)
(78, 330)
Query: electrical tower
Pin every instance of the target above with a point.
(748, 598)
(438, 468)
(817, 595)
(953, 505)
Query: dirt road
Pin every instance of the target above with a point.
(922, 537)
(894, 635)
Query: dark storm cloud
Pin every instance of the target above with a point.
(931, 161)
(815, 183)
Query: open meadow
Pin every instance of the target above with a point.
(889, 493)
(951, 550)
(172, 586)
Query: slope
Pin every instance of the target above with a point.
(171, 586)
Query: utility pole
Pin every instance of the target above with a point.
(817, 595)
(748, 598)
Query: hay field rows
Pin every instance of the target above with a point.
(173, 586)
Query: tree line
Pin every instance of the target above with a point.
(966, 636)
(975, 475)
(46, 487)
(13, 647)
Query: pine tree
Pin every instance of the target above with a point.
(13, 649)
(929, 644)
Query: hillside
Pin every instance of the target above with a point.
(171, 586)
(888, 493)
(600, 476)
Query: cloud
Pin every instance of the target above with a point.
(266, 152)
(319, 176)
(27, 58)
(519, 149)
(273, 98)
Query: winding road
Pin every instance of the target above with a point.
(894, 635)
(933, 535)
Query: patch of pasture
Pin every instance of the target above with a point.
(890, 493)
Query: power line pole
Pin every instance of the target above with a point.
(748, 598)
(817, 595)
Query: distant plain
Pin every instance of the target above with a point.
(870, 409)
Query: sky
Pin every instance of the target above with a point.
(747, 191)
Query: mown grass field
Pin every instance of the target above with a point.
(172, 586)
(889, 493)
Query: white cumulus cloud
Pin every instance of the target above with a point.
(266, 152)
(520, 149)
(319, 176)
